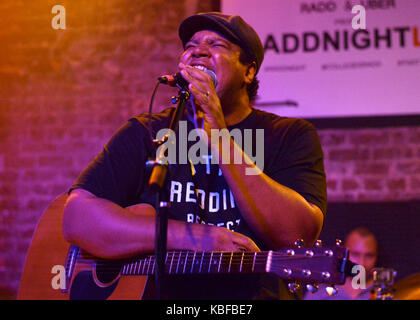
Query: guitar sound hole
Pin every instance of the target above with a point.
(107, 272)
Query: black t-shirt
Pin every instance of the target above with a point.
(198, 192)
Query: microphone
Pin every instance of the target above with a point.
(176, 79)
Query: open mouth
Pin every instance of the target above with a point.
(208, 71)
(200, 67)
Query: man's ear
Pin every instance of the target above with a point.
(251, 71)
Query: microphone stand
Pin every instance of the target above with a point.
(157, 182)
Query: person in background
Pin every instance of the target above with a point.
(363, 250)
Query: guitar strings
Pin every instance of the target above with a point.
(206, 258)
(273, 269)
(258, 254)
(248, 258)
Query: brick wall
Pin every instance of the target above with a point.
(372, 164)
(64, 92)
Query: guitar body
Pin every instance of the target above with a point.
(48, 249)
(57, 270)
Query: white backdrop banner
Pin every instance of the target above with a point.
(317, 63)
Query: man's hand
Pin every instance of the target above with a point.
(205, 97)
(201, 237)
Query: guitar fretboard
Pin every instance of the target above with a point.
(322, 265)
(190, 262)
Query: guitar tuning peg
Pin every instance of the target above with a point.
(331, 290)
(293, 287)
(312, 288)
(318, 244)
(338, 243)
(299, 243)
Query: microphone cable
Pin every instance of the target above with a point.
(149, 122)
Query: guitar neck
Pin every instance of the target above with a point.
(214, 262)
(323, 265)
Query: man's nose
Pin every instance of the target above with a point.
(362, 261)
(201, 50)
(356, 259)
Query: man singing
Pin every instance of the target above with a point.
(216, 204)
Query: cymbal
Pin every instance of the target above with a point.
(407, 288)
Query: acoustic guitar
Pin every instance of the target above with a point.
(57, 270)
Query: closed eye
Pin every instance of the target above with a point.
(220, 44)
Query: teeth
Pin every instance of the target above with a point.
(200, 68)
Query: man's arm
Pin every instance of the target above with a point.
(276, 213)
(107, 230)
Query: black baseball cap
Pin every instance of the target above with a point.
(233, 27)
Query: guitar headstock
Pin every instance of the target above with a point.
(317, 264)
